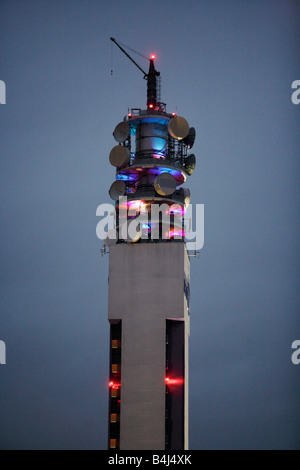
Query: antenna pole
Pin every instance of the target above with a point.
(152, 85)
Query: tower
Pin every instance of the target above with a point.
(149, 278)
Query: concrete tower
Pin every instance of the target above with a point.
(149, 278)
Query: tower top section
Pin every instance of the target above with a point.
(152, 162)
(151, 77)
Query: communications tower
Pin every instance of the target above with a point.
(149, 277)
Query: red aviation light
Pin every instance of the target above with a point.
(153, 57)
(114, 386)
(151, 106)
(169, 381)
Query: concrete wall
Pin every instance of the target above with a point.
(146, 287)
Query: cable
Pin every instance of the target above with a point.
(132, 50)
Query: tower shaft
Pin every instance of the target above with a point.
(147, 299)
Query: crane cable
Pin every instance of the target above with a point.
(111, 59)
(127, 47)
(132, 50)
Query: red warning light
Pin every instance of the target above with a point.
(173, 381)
(151, 106)
(152, 57)
(113, 385)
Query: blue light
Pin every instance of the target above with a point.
(159, 170)
(124, 177)
(156, 120)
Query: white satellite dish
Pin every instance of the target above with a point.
(165, 184)
(178, 127)
(117, 189)
(122, 131)
(119, 156)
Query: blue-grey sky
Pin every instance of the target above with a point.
(227, 67)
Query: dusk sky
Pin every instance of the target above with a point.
(228, 68)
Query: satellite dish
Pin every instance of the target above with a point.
(134, 239)
(122, 131)
(189, 164)
(189, 140)
(117, 189)
(165, 184)
(119, 156)
(185, 192)
(178, 128)
(131, 238)
(187, 197)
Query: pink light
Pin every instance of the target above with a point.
(136, 204)
(153, 57)
(155, 155)
(177, 210)
(151, 106)
(177, 233)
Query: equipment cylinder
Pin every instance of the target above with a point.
(151, 140)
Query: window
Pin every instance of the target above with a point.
(114, 417)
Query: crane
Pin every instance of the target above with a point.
(150, 77)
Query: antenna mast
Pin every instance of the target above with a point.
(150, 77)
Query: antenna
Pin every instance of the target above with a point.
(151, 76)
